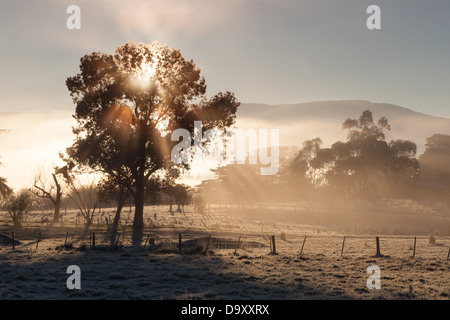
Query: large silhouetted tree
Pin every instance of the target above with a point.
(128, 102)
(366, 165)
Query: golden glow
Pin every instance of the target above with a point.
(163, 126)
(148, 70)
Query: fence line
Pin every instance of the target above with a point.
(234, 245)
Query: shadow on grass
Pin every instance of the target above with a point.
(134, 274)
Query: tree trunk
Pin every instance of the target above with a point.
(16, 221)
(138, 223)
(57, 202)
(57, 210)
(170, 207)
(87, 225)
(115, 225)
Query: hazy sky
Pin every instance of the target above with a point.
(264, 51)
(272, 52)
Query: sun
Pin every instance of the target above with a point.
(147, 72)
(148, 69)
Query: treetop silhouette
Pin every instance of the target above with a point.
(128, 102)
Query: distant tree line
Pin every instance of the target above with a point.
(364, 166)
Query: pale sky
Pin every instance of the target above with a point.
(272, 52)
(264, 51)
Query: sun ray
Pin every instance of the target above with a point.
(147, 71)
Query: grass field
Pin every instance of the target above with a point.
(160, 272)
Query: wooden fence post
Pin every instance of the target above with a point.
(342, 250)
(65, 241)
(39, 239)
(274, 247)
(377, 239)
(237, 245)
(270, 244)
(301, 251)
(207, 244)
(414, 252)
(146, 240)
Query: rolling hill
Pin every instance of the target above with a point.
(298, 122)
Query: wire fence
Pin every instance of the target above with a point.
(347, 246)
(296, 242)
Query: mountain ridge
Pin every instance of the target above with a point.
(362, 103)
(324, 119)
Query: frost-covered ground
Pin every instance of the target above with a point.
(253, 273)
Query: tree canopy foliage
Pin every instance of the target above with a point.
(128, 102)
(435, 161)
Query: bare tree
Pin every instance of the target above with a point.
(84, 195)
(50, 189)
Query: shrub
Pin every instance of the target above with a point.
(432, 239)
(18, 206)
